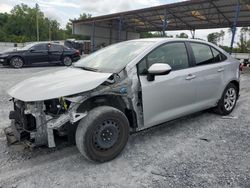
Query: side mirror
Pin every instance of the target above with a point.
(32, 50)
(158, 69)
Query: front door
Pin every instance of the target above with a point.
(38, 53)
(168, 96)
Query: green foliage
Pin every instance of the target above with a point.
(226, 48)
(244, 42)
(159, 34)
(146, 35)
(182, 35)
(216, 37)
(84, 16)
(153, 35)
(243, 46)
(20, 26)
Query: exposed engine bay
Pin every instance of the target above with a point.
(29, 120)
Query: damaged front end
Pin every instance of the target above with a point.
(38, 122)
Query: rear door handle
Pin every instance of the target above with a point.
(220, 69)
(190, 77)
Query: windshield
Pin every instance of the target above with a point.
(113, 58)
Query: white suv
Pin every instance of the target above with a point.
(124, 88)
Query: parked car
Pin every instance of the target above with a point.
(124, 88)
(84, 46)
(38, 53)
(74, 44)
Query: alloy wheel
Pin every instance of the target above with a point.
(230, 99)
(67, 61)
(17, 62)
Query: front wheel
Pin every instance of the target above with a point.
(228, 100)
(102, 134)
(16, 62)
(67, 61)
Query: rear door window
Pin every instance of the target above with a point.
(202, 53)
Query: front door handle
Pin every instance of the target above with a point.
(220, 69)
(190, 77)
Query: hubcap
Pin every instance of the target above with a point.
(67, 61)
(106, 135)
(17, 62)
(230, 99)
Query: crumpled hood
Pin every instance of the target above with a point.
(67, 81)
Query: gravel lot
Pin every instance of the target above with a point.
(201, 150)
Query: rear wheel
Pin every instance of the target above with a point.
(228, 100)
(16, 62)
(102, 134)
(67, 61)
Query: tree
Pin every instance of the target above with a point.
(20, 25)
(154, 35)
(146, 35)
(84, 16)
(244, 31)
(213, 38)
(182, 35)
(242, 44)
(216, 37)
(221, 36)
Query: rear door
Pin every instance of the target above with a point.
(209, 73)
(38, 53)
(55, 53)
(168, 96)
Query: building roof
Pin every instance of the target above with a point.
(186, 15)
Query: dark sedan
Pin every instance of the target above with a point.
(39, 53)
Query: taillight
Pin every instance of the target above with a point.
(241, 66)
(77, 52)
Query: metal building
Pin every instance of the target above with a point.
(188, 15)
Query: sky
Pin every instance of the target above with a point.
(63, 10)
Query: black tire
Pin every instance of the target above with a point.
(67, 61)
(102, 134)
(16, 62)
(221, 108)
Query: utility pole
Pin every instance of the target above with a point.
(37, 25)
(49, 32)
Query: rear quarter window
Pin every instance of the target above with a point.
(218, 56)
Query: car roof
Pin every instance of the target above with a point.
(44, 42)
(169, 39)
(163, 40)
